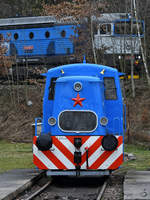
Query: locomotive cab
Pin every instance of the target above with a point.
(82, 126)
(76, 112)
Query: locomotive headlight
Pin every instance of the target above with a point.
(77, 86)
(52, 121)
(103, 121)
(109, 142)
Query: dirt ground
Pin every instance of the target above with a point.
(19, 105)
(17, 114)
(138, 113)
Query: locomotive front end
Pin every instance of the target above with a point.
(80, 134)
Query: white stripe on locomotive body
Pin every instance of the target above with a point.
(64, 140)
(114, 156)
(89, 143)
(63, 158)
(93, 157)
(43, 158)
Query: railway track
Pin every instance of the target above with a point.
(72, 188)
(39, 191)
(59, 193)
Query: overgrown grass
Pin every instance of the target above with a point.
(19, 155)
(142, 161)
(15, 155)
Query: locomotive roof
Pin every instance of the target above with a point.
(111, 17)
(27, 20)
(76, 68)
(104, 17)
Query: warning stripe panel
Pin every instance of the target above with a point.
(44, 159)
(92, 159)
(92, 148)
(116, 163)
(64, 159)
(63, 149)
(105, 155)
(61, 156)
(66, 143)
(38, 163)
(84, 138)
(112, 158)
(54, 160)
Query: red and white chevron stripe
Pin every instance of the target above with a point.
(61, 155)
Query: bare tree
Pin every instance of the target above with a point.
(6, 63)
(141, 46)
(132, 54)
(79, 12)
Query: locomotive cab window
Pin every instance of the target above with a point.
(63, 33)
(124, 27)
(110, 88)
(52, 88)
(77, 121)
(105, 29)
(16, 36)
(135, 31)
(47, 34)
(31, 35)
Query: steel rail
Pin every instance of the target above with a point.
(39, 191)
(102, 190)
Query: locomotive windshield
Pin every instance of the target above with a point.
(105, 28)
(124, 27)
(77, 121)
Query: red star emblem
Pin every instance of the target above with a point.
(78, 100)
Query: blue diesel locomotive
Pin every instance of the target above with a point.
(37, 39)
(49, 41)
(83, 121)
(117, 37)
